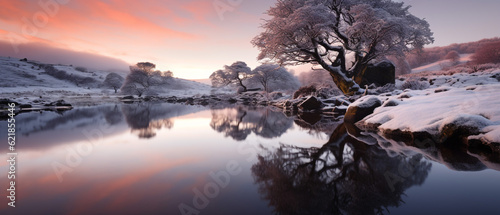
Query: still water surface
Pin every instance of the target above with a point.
(176, 159)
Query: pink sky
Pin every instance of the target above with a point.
(191, 37)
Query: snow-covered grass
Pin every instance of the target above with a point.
(461, 68)
(469, 101)
(443, 64)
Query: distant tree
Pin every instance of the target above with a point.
(487, 53)
(167, 74)
(317, 77)
(232, 75)
(453, 56)
(325, 32)
(146, 66)
(273, 77)
(113, 80)
(143, 77)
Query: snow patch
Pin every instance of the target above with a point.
(365, 102)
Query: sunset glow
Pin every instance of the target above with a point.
(191, 38)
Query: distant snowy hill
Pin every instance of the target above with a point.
(16, 73)
(29, 80)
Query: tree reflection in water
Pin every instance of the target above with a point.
(240, 122)
(114, 116)
(344, 176)
(140, 118)
(145, 119)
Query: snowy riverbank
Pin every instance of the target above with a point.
(460, 105)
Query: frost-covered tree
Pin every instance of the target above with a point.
(146, 66)
(235, 74)
(143, 77)
(274, 77)
(328, 32)
(453, 56)
(113, 80)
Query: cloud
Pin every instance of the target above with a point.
(170, 33)
(127, 29)
(49, 54)
(149, 19)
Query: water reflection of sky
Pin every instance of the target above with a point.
(452, 192)
(125, 173)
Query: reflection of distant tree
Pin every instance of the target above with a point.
(154, 126)
(114, 116)
(140, 117)
(230, 123)
(344, 176)
(240, 122)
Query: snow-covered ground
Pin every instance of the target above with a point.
(440, 65)
(469, 102)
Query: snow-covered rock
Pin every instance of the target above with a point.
(362, 108)
(442, 112)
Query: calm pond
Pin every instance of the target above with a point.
(176, 159)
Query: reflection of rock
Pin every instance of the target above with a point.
(344, 176)
(240, 122)
(59, 103)
(467, 158)
(317, 122)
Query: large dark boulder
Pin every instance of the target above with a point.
(379, 74)
(311, 104)
(361, 108)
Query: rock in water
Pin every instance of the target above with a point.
(361, 108)
(311, 104)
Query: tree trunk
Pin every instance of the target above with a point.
(337, 69)
(347, 86)
(344, 83)
(241, 84)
